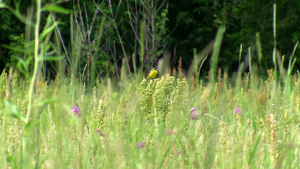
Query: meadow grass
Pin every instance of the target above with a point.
(261, 133)
(250, 123)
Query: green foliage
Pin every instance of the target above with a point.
(197, 21)
(192, 24)
(55, 8)
(126, 116)
(17, 52)
(13, 110)
(131, 123)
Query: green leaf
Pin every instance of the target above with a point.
(13, 110)
(55, 8)
(47, 31)
(254, 149)
(50, 53)
(31, 123)
(22, 66)
(21, 17)
(48, 46)
(52, 58)
(3, 5)
(12, 161)
(13, 48)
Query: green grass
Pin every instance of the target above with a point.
(39, 130)
(264, 135)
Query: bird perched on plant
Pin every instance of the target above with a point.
(152, 74)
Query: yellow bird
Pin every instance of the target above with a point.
(152, 74)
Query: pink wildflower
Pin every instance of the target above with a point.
(140, 145)
(76, 111)
(179, 153)
(169, 132)
(194, 114)
(238, 110)
(101, 134)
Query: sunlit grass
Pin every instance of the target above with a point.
(264, 132)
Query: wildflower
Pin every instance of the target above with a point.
(140, 145)
(238, 110)
(76, 111)
(169, 132)
(101, 134)
(179, 152)
(194, 114)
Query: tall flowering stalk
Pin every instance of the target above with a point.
(177, 105)
(100, 116)
(161, 99)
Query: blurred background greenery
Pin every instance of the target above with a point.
(177, 27)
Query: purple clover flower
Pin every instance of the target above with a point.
(101, 134)
(140, 145)
(194, 114)
(179, 153)
(76, 111)
(238, 110)
(168, 132)
(193, 109)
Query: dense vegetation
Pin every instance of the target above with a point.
(179, 27)
(99, 111)
(150, 125)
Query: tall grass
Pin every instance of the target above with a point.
(263, 134)
(134, 124)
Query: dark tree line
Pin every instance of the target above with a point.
(140, 31)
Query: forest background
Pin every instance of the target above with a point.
(111, 31)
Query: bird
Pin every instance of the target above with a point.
(152, 74)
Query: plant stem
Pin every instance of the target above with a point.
(36, 58)
(35, 70)
(274, 36)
